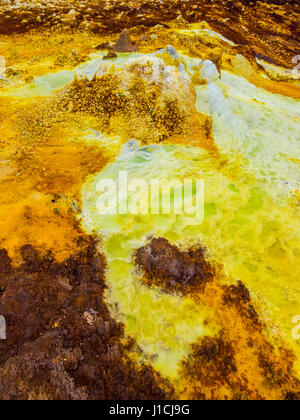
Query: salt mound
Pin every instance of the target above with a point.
(157, 99)
(209, 71)
(148, 98)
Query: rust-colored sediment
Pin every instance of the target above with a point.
(270, 28)
(171, 270)
(239, 363)
(40, 188)
(62, 342)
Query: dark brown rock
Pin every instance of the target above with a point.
(173, 270)
(211, 361)
(124, 43)
(62, 343)
(103, 46)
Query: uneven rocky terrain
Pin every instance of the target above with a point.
(269, 29)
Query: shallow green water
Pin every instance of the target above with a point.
(251, 223)
(251, 220)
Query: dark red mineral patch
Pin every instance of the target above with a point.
(173, 270)
(62, 342)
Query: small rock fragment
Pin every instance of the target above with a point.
(124, 43)
(172, 52)
(110, 55)
(209, 71)
(103, 46)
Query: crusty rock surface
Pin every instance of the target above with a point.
(271, 27)
(151, 98)
(169, 268)
(62, 342)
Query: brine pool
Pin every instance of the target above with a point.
(251, 223)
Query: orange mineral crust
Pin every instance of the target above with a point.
(239, 363)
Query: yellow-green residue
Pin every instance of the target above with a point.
(251, 223)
